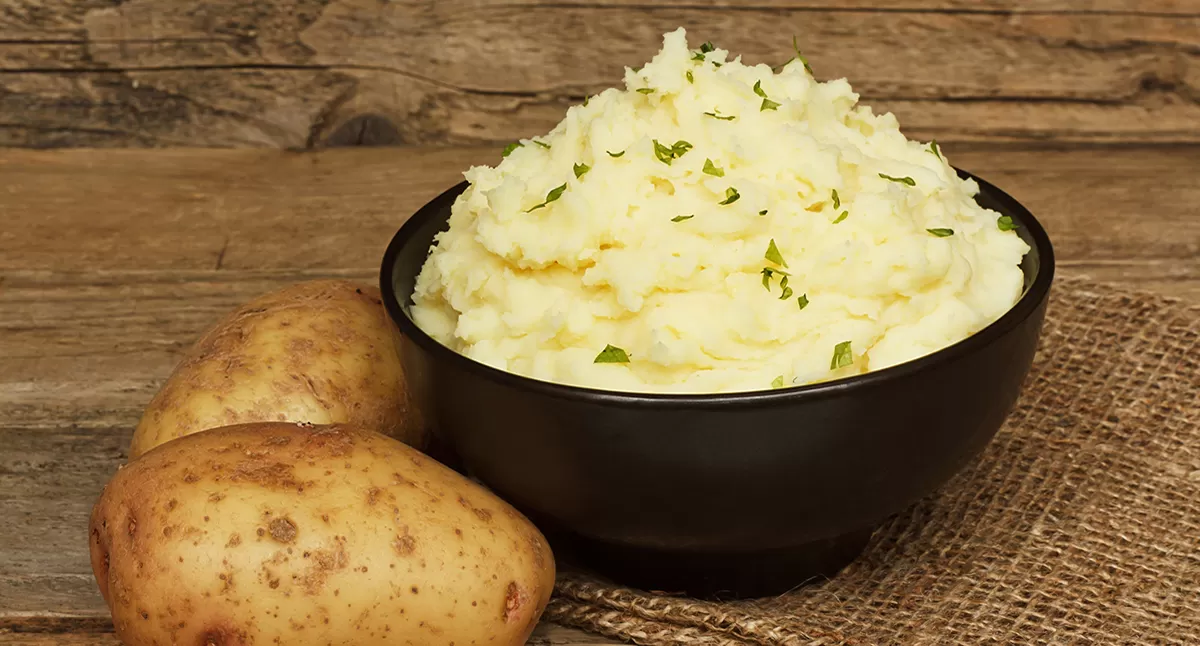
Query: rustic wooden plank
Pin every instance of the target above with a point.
(545, 635)
(229, 73)
(184, 210)
(97, 631)
(100, 293)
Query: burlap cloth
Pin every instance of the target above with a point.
(1080, 524)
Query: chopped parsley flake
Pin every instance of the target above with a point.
(681, 218)
(1005, 223)
(663, 153)
(731, 196)
(837, 203)
(707, 47)
(767, 104)
(768, 273)
(511, 147)
(802, 301)
(773, 254)
(933, 148)
(581, 169)
(941, 233)
(714, 115)
(777, 382)
(712, 169)
(762, 212)
(542, 144)
(612, 354)
(667, 154)
(553, 195)
(796, 46)
(612, 154)
(645, 90)
(842, 356)
(903, 180)
(841, 217)
(698, 56)
(690, 78)
(787, 293)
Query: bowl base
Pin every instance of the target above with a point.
(712, 575)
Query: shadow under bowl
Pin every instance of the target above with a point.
(724, 495)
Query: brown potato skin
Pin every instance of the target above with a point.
(279, 533)
(321, 352)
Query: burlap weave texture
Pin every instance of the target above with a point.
(1080, 524)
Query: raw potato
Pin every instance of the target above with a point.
(321, 352)
(277, 533)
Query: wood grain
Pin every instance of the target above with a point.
(112, 262)
(301, 73)
(45, 631)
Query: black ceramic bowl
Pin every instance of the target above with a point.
(743, 494)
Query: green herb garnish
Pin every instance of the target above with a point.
(511, 147)
(707, 47)
(690, 78)
(698, 56)
(933, 148)
(731, 196)
(667, 154)
(542, 144)
(787, 293)
(837, 203)
(716, 64)
(585, 100)
(842, 356)
(796, 46)
(712, 169)
(777, 382)
(762, 212)
(612, 354)
(681, 218)
(553, 195)
(581, 169)
(663, 153)
(841, 217)
(768, 273)
(612, 154)
(767, 104)
(717, 116)
(903, 180)
(645, 90)
(941, 233)
(802, 301)
(773, 254)
(1005, 223)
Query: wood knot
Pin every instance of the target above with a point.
(365, 130)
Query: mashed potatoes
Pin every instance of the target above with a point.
(715, 227)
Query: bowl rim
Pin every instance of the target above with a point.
(1029, 302)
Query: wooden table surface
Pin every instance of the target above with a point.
(112, 261)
